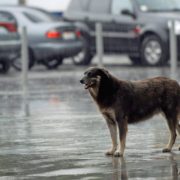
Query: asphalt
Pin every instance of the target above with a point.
(65, 137)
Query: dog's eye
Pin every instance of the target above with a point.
(89, 74)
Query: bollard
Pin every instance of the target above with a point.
(99, 43)
(24, 60)
(173, 50)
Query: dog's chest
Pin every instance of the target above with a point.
(93, 92)
(108, 114)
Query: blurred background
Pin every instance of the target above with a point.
(64, 32)
(49, 126)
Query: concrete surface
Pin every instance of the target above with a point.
(65, 137)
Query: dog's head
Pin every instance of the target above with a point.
(93, 76)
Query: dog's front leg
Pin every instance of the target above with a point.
(122, 126)
(113, 132)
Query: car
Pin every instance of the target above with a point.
(49, 40)
(138, 28)
(9, 41)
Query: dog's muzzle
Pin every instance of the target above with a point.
(82, 81)
(87, 83)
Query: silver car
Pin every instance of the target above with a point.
(49, 40)
(9, 41)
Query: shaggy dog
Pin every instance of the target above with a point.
(122, 102)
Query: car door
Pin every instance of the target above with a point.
(99, 11)
(123, 27)
(118, 28)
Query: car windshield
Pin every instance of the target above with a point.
(159, 5)
(38, 16)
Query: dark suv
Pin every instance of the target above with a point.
(9, 40)
(138, 28)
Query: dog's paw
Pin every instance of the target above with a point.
(110, 152)
(166, 150)
(118, 154)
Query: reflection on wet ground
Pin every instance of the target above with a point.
(65, 137)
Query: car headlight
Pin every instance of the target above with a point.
(177, 26)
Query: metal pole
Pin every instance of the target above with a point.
(173, 50)
(99, 43)
(25, 60)
(22, 2)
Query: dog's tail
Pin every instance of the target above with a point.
(178, 119)
(178, 116)
(179, 108)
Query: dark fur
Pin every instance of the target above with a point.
(134, 101)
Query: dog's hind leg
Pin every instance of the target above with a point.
(113, 132)
(178, 121)
(172, 124)
(178, 130)
(178, 126)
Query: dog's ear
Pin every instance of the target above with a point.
(105, 72)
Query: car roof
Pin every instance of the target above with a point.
(18, 8)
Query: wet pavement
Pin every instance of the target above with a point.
(65, 137)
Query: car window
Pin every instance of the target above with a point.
(6, 17)
(38, 16)
(159, 5)
(78, 5)
(100, 7)
(32, 17)
(119, 5)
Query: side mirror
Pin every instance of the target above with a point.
(128, 13)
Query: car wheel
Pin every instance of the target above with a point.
(135, 60)
(53, 63)
(84, 57)
(4, 66)
(17, 64)
(153, 52)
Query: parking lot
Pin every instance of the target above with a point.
(65, 137)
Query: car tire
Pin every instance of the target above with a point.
(84, 57)
(135, 60)
(153, 51)
(16, 63)
(53, 63)
(4, 66)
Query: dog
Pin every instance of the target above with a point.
(125, 102)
